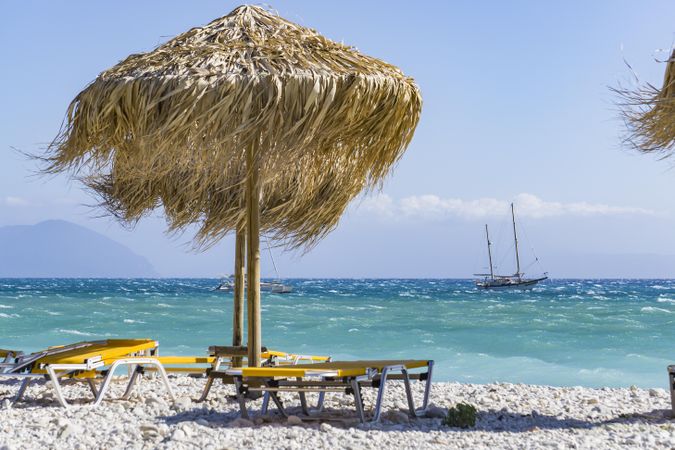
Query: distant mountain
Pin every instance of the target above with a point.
(56, 248)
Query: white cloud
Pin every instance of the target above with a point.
(15, 201)
(528, 205)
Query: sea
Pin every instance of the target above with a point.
(563, 332)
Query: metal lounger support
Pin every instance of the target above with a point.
(57, 371)
(326, 384)
(671, 387)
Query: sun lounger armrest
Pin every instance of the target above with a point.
(229, 351)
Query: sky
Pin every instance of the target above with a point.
(516, 108)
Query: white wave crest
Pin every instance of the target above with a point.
(75, 332)
(654, 309)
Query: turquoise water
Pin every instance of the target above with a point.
(566, 332)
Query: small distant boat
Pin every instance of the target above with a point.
(515, 281)
(227, 285)
(274, 287)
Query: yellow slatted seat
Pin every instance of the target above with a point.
(340, 368)
(109, 351)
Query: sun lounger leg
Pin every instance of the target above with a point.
(265, 403)
(357, 400)
(408, 393)
(207, 389)
(133, 378)
(427, 388)
(380, 394)
(92, 387)
(319, 404)
(671, 383)
(106, 382)
(22, 390)
(277, 401)
(303, 400)
(57, 387)
(241, 399)
(165, 379)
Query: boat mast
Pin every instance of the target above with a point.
(269, 249)
(515, 240)
(487, 235)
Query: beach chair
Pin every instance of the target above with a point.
(348, 377)
(671, 386)
(226, 355)
(85, 361)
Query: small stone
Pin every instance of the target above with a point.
(179, 435)
(436, 412)
(592, 401)
(149, 431)
(259, 420)
(202, 422)
(241, 423)
(399, 417)
(654, 393)
(325, 427)
(6, 404)
(294, 420)
(68, 430)
(187, 429)
(42, 422)
(153, 401)
(183, 403)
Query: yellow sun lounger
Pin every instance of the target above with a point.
(83, 361)
(336, 376)
(226, 355)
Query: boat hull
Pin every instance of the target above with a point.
(274, 288)
(509, 283)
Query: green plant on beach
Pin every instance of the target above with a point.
(462, 415)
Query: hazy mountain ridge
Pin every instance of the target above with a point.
(61, 249)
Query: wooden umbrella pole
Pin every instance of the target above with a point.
(239, 283)
(253, 256)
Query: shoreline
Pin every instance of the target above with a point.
(509, 416)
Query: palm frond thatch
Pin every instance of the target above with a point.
(649, 114)
(171, 128)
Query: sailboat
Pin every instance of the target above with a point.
(517, 280)
(275, 287)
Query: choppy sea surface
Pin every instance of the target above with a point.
(564, 332)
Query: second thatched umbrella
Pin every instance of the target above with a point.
(249, 124)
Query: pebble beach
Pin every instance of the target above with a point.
(510, 416)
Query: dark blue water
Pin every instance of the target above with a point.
(566, 332)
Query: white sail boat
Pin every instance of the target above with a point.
(275, 287)
(517, 280)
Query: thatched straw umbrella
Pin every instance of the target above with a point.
(649, 114)
(249, 124)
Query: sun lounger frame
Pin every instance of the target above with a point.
(87, 370)
(671, 387)
(330, 381)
